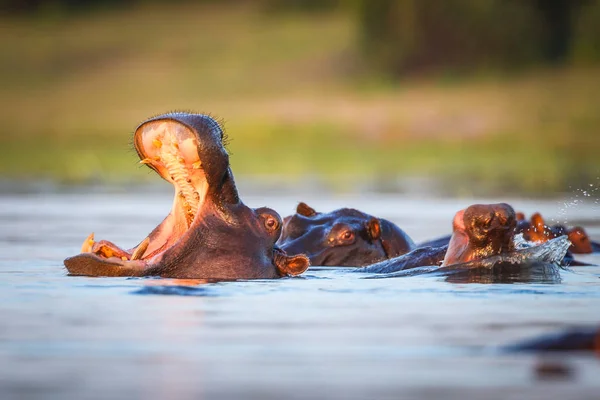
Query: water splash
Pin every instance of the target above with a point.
(550, 253)
(591, 192)
(521, 243)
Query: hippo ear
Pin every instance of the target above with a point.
(537, 221)
(294, 265)
(306, 210)
(374, 229)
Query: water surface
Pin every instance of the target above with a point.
(326, 334)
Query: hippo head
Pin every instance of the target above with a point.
(209, 232)
(480, 231)
(344, 237)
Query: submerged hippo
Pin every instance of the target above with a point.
(209, 233)
(536, 230)
(344, 237)
(479, 231)
(483, 249)
(580, 339)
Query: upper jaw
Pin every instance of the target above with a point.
(171, 149)
(172, 145)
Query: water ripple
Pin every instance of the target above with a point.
(176, 291)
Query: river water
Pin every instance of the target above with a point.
(326, 334)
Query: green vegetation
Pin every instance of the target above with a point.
(400, 36)
(295, 100)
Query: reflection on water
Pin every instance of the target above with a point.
(501, 272)
(531, 272)
(329, 333)
(527, 264)
(175, 290)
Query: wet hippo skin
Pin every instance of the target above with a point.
(479, 231)
(209, 233)
(419, 257)
(536, 230)
(482, 249)
(344, 237)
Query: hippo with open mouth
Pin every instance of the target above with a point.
(209, 233)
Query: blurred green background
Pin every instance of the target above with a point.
(476, 96)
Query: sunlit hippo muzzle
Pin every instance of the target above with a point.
(480, 231)
(209, 233)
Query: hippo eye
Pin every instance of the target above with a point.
(271, 223)
(347, 235)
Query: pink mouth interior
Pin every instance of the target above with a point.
(171, 149)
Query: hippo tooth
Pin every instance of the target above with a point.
(146, 161)
(175, 165)
(140, 250)
(86, 247)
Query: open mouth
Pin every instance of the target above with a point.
(171, 149)
(187, 151)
